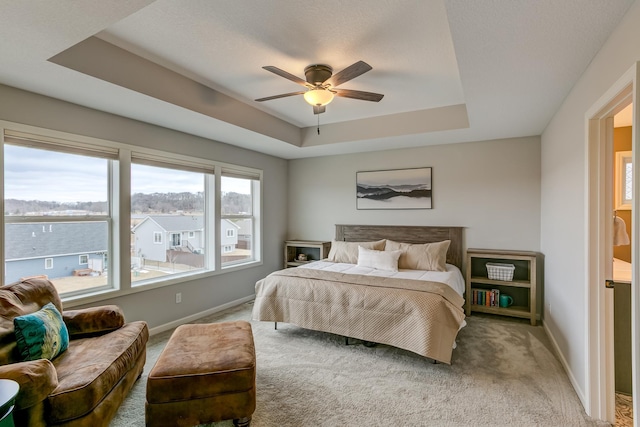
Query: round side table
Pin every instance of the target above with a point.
(8, 391)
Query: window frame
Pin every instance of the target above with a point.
(46, 140)
(80, 259)
(119, 256)
(254, 216)
(157, 241)
(623, 160)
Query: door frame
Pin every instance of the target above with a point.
(600, 379)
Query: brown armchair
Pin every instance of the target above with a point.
(84, 385)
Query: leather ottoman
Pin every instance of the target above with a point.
(206, 373)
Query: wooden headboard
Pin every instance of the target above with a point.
(407, 234)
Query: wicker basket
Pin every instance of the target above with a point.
(497, 271)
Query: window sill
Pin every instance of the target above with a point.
(103, 295)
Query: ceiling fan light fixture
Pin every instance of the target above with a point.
(318, 97)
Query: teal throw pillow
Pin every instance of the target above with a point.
(41, 335)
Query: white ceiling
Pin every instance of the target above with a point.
(450, 70)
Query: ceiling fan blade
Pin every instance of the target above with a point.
(286, 75)
(282, 95)
(319, 109)
(358, 94)
(351, 72)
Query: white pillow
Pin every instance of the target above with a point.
(380, 260)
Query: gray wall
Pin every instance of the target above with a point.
(492, 188)
(157, 306)
(564, 201)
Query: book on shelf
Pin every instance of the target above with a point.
(486, 297)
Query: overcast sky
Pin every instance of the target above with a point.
(32, 174)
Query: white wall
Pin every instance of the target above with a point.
(157, 306)
(492, 188)
(564, 186)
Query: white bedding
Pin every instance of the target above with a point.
(452, 277)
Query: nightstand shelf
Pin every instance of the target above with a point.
(525, 288)
(313, 250)
(513, 283)
(513, 311)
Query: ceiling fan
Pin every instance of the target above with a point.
(322, 84)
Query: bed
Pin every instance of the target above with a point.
(414, 309)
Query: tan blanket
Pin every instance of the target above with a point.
(422, 317)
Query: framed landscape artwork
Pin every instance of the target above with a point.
(394, 189)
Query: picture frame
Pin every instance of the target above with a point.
(394, 189)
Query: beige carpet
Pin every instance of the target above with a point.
(504, 373)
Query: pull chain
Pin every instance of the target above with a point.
(318, 124)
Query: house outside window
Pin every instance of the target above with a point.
(57, 200)
(170, 200)
(192, 234)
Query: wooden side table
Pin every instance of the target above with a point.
(312, 251)
(8, 392)
(524, 288)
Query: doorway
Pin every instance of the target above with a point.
(600, 399)
(622, 264)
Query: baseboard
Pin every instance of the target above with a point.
(196, 316)
(565, 365)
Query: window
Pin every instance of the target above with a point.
(172, 200)
(63, 195)
(624, 180)
(239, 196)
(57, 205)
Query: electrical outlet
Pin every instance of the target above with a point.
(178, 297)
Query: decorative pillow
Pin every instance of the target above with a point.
(348, 251)
(380, 260)
(427, 256)
(92, 320)
(41, 335)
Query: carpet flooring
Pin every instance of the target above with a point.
(503, 373)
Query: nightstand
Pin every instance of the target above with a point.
(312, 251)
(523, 287)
